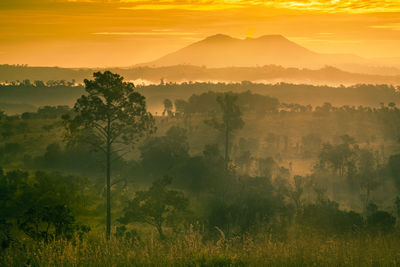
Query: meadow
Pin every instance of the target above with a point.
(190, 249)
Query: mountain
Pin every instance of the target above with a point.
(225, 51)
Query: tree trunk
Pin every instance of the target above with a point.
(367, 199)
(226, 147)
(160, 231)
(108, 178)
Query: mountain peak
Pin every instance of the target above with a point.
(273, 37)
(218, 38)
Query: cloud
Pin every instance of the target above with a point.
(393, 26)
(165, 32)
(324, 41)
(181, 7)
(331, 6)
(349, 6)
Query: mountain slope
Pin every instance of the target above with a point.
(222, 51)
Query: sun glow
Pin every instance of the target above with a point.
(351, 6)
(125, 32)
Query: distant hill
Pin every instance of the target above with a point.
(224, 51)
(185, 73)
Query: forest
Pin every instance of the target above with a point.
(108, 173)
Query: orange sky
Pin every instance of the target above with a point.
(125, 32)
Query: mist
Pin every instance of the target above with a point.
(222, 133)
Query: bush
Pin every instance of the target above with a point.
(326, 217)
(381, 221)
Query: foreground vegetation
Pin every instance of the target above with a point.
(222, 179)
(190, 249)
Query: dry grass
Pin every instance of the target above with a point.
(190, 249)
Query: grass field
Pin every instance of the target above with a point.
(191, 249)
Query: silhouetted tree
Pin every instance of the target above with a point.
(340, 158)
(110, 114)
(160, 154)
(155, 206)
(231, 120)
(180, 107)
(40, 205)
(296, 191)
(168, 107)
(394, 168)
(50, 222)
(367, 174)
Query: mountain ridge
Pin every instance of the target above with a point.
(221, 50)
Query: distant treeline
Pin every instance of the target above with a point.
(23, 96)
(181, 73)
(250, 102)
(23, 72)
(362, 94)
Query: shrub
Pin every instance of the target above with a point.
(326, 217)
(381, 221)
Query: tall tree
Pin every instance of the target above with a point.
(231, 120)
(168, 106)
(111, 114)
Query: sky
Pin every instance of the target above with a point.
(100, 33)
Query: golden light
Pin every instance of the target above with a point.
(126, 32)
